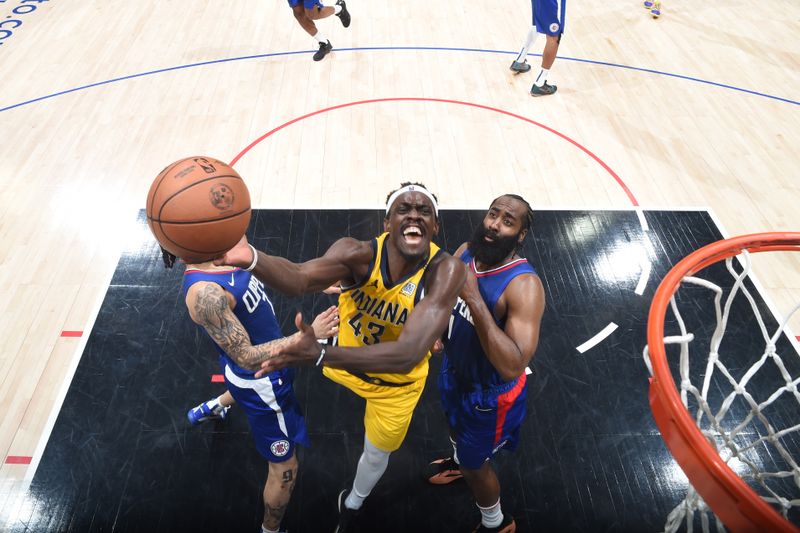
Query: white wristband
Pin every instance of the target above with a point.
(321, 355)
(255, 259)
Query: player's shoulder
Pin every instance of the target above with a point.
(445, 266)
(525, 285)
(461, 249)
(204, 287)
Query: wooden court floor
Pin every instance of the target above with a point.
(699, 109)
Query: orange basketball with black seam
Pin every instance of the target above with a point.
(198, 208)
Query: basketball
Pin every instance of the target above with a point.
(198, 208)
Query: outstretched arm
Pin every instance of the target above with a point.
(346, 259)
(424, 325)
(509, 349)
(210, 307)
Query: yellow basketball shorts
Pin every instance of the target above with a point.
(389, 409)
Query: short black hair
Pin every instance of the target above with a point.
(406, 184)
(527, 222)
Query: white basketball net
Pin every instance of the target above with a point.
(737, 443)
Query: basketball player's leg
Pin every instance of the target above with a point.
(480, 432)
(315, 10)
(301, 15)
(484, 484)
(482, 480)
(550, 21)
(520, 63)
(277, 426)
(550, 51)
(386, 421)
(281, 478)
(213, 409)
(447, 469)
(302, 19)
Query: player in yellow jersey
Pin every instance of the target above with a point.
(386, 327)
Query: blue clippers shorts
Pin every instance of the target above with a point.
(549, 16)
(272, 410)
(483, 422)
(308, 4)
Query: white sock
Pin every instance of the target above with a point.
(541, 79)
(371, 467)
(529, 40)
(332, 3)
(321, 38)
(455, 451)
(491, 516)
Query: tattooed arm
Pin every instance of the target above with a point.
(210, 306)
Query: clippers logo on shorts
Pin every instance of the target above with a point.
(408, 289)
(280, 448)
(553, 27)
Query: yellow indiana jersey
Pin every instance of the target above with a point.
(375, 311)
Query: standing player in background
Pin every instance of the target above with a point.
(493, 333)
(232, 307)
(307, 11)
(548, 18)
(387, 325)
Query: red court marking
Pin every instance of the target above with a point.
(585, 150)
(66, 333)
(18, 460)
(217, 378)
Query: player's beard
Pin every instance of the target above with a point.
(491, 253)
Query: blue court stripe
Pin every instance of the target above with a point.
(396, 48)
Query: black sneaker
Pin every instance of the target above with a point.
(324, 49)
(348, 518)
(544, 90)
(507, 526)
(344, 14)
(520, 68)
(442, 472)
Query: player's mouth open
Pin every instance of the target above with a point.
(412, 235)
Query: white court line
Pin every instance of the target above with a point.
(69, 374)
(597, 339)
(642, 219)
(646, 268)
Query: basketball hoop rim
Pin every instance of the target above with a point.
(731, 499)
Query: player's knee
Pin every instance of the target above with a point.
(476, 474)
(374, 456)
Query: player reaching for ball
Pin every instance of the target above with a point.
(198, 207)
(387, 325)
(233, 308)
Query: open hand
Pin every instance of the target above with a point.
(302, 347)
(326, 324)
